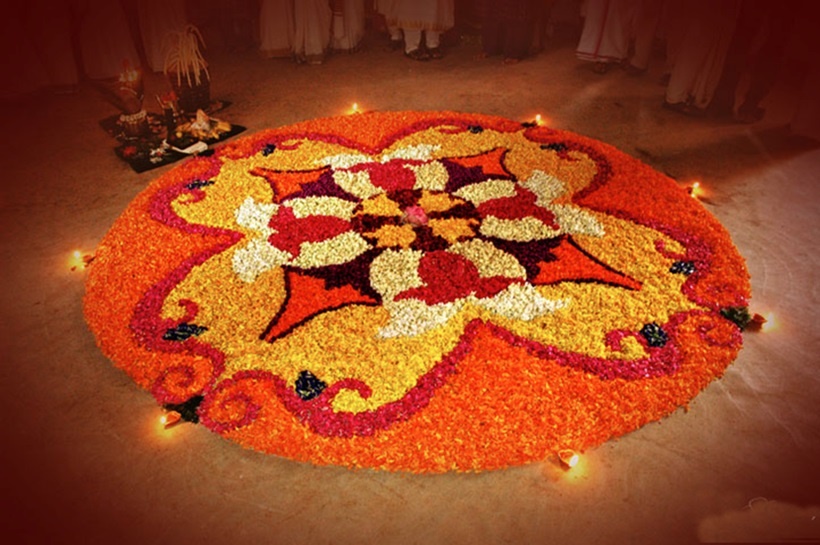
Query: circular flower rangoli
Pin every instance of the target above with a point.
(418, 291)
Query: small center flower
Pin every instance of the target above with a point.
(414, 215)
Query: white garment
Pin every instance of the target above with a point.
(435, 15)
(645, 29)
(607, 28)
(348, 25)
(699, 63)
(276, 28)
(311, 39)
(672, 28)
(412, 39)
(158, 19)
(384, 6)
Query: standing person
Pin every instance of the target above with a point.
(348, 24)
(106, 43)
(311, 39)
(507, 28)
(699, 63)
(422, 18)
(606, 32)
(766, 23)
(276, 28)
(647, 19)
(385, 8)
(671, 29)
(158, 18)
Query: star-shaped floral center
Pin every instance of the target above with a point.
(420, 219)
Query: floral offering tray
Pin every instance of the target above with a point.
(154, 148)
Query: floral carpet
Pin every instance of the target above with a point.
(418, 291)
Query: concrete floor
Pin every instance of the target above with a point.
(84, 460)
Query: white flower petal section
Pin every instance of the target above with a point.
(411, 317)
(255, 215)
(344, 160)
(395, 271)
(334, 251)
(420, 152)
(489, 260)
(576, 221)
(322, 206)
(488, 190)
(356, 183)
(256, 258)
(546, 187)
(519, 230)
(520, 302)
(432, 176)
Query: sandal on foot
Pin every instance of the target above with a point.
(684, 108)
(417, 55)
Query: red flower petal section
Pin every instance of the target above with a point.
(573, 264)
(390, 176)
(519, 207)
(293, 231)
(448, 276)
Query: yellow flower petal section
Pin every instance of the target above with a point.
(345, 344)
(393, 236)
(453, 229)
(436, 202)
(380, 205)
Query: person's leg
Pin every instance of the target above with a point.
(412, 45)
(646, 26)
(432, 39)
(766, 68)
(395, 37)
(748, 24)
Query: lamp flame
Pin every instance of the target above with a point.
(569, 458)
